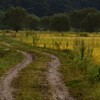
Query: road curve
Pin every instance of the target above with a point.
(6, 90)
(59, 90)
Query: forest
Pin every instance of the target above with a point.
(50, 7)
(49, 49)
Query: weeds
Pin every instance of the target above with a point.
(36, 39)
(83, 59)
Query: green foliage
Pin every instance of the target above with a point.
(78, 16)
(6, 61)
(83, 59)
(32, 22)
(50, 7)
(1, 19)
(31, 84)
(15, 18)
(60, 23)
(3, 52)
(45, 23)
(93, 73)
(91, 23)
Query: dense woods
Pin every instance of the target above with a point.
(50, 49)
(16, 18)
(49, 7)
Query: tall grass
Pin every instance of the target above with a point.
(83, 60)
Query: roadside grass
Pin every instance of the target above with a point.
(32, 81)
(75, 79)
(55, 40)
(8, 59)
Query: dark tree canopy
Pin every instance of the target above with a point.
(91, 23)
(45, 23)
(15, 18)
(1, 19)
(50, 7)
(32, 22)
(78, 16)
(60, 22)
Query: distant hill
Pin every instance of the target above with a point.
(49, 7)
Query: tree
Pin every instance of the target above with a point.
(78, 16)
(1, 19)
(15, 18)
(91, 23)
(32, 22)
(45, 23)
(60, 23)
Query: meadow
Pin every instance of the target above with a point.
(61, 41)
(80, 75)
(8, 58)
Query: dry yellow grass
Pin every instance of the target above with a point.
(49, 38)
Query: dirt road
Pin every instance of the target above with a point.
(60, 92)
(5, 85)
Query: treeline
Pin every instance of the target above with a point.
(49, 7)
(85, 20)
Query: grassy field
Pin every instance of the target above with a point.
(8, 58)
(80, 86)
(54, 40)
(31, 83)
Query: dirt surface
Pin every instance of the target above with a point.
(59, 90)
(6, 90)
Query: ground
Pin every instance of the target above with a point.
(73, 78)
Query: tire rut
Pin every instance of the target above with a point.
(6, 91)
(59, 90)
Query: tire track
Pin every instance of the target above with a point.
(6, 91)
(58, 88)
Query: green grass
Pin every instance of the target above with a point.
(8, 60)
(74, 78)
(31, 83)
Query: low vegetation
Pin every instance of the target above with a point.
(79, 70)
(31, 83)
(8, 59)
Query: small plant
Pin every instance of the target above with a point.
(83, 35)
(58, 45)
(35, 39)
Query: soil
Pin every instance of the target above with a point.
(59, 90)
(6, 91)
